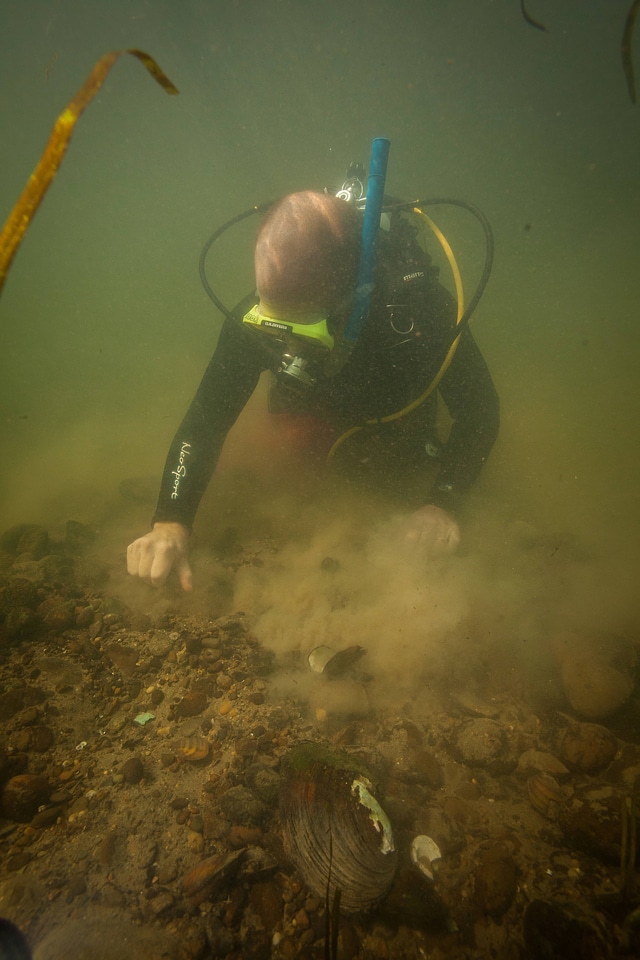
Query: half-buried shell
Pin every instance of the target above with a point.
(334, 829)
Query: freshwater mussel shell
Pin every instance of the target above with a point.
(334, 829)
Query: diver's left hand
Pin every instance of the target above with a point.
(434, 530)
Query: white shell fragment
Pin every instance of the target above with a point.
(424, 853)
(378, 817)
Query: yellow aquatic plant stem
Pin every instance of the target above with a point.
(41, 178)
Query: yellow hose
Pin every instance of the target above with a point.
(457, 279)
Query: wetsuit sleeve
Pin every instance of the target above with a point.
(472, 401)
(226, 386)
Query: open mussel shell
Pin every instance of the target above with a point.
(331, 663)
(334, 829)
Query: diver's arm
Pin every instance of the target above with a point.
(226, 386)
(472, 401)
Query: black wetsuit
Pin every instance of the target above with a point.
(410, 325)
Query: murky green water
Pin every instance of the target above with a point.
(105, 329)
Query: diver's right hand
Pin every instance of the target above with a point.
(165, 548)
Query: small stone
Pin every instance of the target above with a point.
(192, 704)
(132, 770)
(57, 614)
(106, 849)
(195, 841)
(167, 874)
(495, 881)
(77, 886)
(46, 818)
(597, 672)
(23, 795)
(239, 836)
(242, 807)
(161, 903)
(480, 741)
(196, 823)
(588, 747)
(20, 622)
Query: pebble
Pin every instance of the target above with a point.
(596, 673)
(160, 644)
(106, 849)
(192, 704)
(132, 770)
(22, 796)
(495, 881)
(591, 821)
(480, 741)
(588, 747)
(242, 807)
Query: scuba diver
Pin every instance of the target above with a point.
(375, 391)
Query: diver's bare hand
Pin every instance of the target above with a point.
(434, 530)
(165, 548)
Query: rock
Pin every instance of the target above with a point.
(21, 622)
(480, 741)
(596, 673)
(495, 882)
(132, 770)
(241, 806)
(23, 795)
(103, 935)
(37, 738)
(562, 931)
(58, 614)
(25, 538)
(588, 747)
(192, 704)
(18, 592)
(591, 821)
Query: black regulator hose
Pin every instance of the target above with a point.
(259, 208)
(489, 247)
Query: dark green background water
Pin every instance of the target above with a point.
(105, 329)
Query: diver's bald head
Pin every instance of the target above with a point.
(306, 256)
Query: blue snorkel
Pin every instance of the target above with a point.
(370, 226)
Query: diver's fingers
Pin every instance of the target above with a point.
(135, 554)
(184, 574)
(164, 556)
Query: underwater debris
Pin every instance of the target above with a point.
(529, 19)
(40, 180)
(625, 49)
